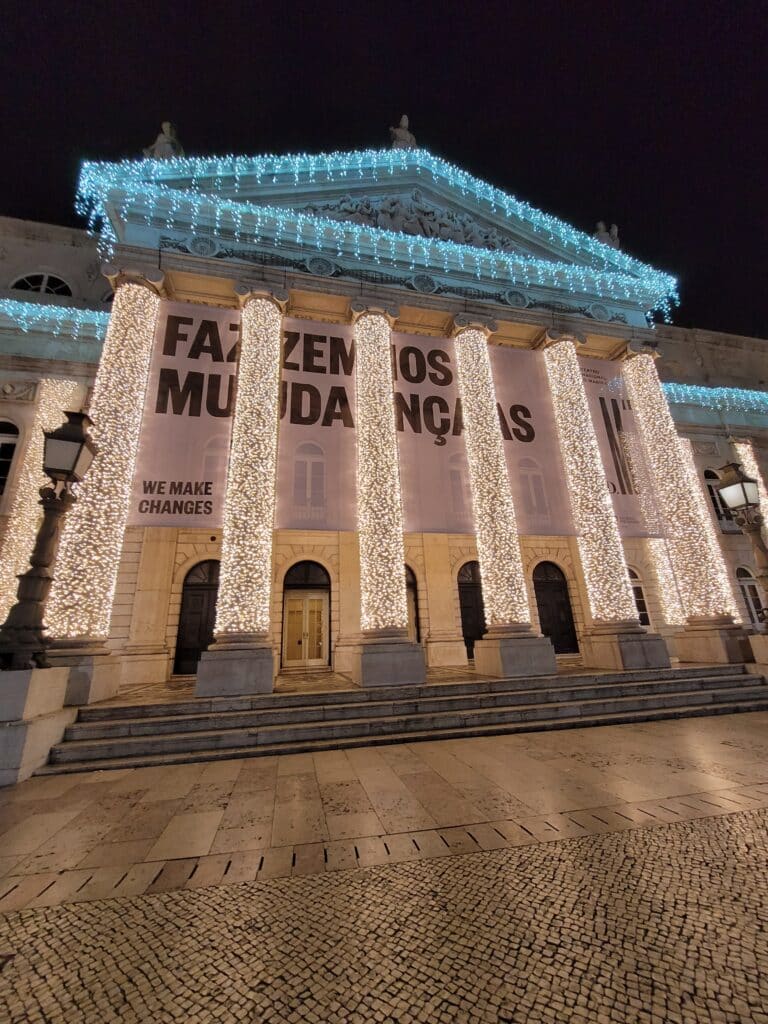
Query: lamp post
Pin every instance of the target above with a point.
(68, 453)
(741, 495)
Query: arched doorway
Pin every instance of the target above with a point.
(471, 605)
(197, 617)
(412, 595)
(554, 604)
(306, 616)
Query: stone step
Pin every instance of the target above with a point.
(456, 732)
(207, 705)
(434, 722)
(250, 719)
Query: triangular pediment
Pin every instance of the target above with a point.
(401, 208)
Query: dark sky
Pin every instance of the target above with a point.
(653, 115)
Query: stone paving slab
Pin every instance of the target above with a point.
(660, 925)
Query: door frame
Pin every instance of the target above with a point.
(307, 664)
(567, 591)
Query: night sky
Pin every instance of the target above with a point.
(653, 115)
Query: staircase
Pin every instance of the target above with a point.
(127, 736)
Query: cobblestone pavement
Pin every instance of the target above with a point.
(100, 835)
(662, 925)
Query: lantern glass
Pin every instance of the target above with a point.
(69, 450)
(737, 490)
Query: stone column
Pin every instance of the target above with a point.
(146, 656)
(241, 659)
(616, 640)
(444, 644)
(510, 647)
(80, 603)
(386, 656)
(711, 634)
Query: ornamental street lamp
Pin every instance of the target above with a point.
(741, 495)
(68, 454)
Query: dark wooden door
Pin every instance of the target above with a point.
(471, 606)
(197, 617)
(554, 605)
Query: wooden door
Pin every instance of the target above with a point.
(471, 606)
(554, 605)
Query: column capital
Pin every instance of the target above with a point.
(553, 336)
(373, 307)
(642, 348)
(471, 322)
(148, 277)
(245, 293)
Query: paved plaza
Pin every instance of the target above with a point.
(612, 874)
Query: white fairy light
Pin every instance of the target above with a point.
(383, 599)
(498, 542)
(80, 602)
(666, 585)
(597, 533)
(698, 567)
(745, 454)
(249, 506)
(53, 397)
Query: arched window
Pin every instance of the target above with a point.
(532, 486)
(722, 512)
(49, 284)
(9, 439)
(750, 594)
(640, 602)
(309, 481)
(307, 576)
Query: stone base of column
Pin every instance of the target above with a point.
(386, 657)
(32, 719)
(236, 665)
(758, 642)
(143, 664)
(623, 646)
(94, 672)
(713, 641)
(513, 651)
(443, 650)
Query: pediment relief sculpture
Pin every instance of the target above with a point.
(414, 215)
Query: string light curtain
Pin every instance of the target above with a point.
(745, 454)
(245, 590)
(80, 602)
(698, 567)
(53, 397)
(498, 543)
(383, 599)
(602, 556)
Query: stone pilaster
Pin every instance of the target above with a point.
(241, 659)
(80, 603)
(511, 647)
(615, 640)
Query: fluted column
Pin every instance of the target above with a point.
(510, 647)
(616, 639)
(697, 563)
(386, 655)
(241, 659)
(85, 576)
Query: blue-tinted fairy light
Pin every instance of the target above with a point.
(31, 316)
(165, 189)
(718, 399)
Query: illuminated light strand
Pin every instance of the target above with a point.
(80, 603)
(602, 557)
(245, 590)
(745, 454)
(666, 586)
(719, 399)
(53, 397)
(699, 569)
(183, 186)
(704, 505)
(30, 316)
(383, 599)
(498, 542)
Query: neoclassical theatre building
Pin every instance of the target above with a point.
(363, 413)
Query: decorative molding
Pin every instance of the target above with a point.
(18, 390)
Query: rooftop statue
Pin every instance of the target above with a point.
(401, 136)
(166, 145)
(610, 238)
(614, 237)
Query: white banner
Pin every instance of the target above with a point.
(181, 465)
